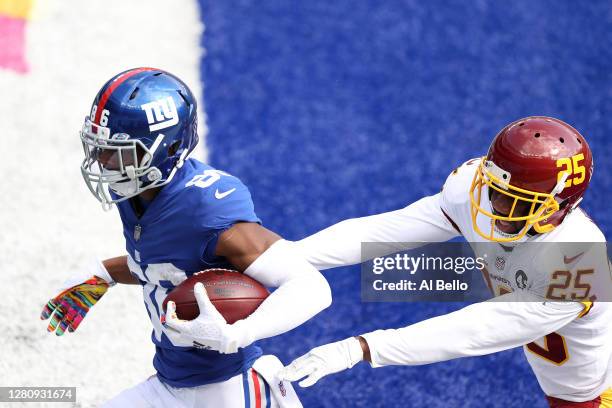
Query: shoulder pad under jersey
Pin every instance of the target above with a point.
(456, 189)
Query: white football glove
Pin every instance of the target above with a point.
(209, 330)
(323, 360)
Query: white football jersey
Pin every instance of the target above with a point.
(567, 343)
(570, 262)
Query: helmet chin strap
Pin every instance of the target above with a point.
(133, 186)
(560, 184)
(126, 188)
(544, 228)
(506, 235)
(129, 187)
(130, 171)
(178, 165)
(576, 204)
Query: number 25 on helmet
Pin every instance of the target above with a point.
(142, 126)
(541, 166)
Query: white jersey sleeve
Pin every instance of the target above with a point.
(511, 320)
(339, 245)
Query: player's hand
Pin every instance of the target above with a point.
(68, 309)
(209, 330)
(323, 360)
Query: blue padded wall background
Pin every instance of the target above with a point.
(336, 109)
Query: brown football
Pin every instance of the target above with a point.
(234, 294)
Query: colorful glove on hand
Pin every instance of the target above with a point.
(68, 309)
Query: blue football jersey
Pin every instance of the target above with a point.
(174, 238)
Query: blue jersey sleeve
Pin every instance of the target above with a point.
(227, 201)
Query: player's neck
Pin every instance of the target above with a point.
(149, 195)
(141, 202)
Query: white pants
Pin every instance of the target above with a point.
(256, 388)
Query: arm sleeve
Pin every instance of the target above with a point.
(301, 292)
(510, 321)
(219, 214)
(340, 244)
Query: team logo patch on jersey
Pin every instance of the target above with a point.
(161, 114)
(521, 279)
(500, 262)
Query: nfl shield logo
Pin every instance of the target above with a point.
(283, 391)
(500, 262)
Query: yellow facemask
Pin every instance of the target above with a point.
(541, 205)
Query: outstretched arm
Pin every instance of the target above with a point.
(510, 321)
(339, 245)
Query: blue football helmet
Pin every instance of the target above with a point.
(142, 126)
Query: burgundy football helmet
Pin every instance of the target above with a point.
(543, 165)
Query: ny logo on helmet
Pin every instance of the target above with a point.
(161, 113)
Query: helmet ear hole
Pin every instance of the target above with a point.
(174, 148)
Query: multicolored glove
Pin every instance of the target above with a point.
(77, 295)
(68, 309)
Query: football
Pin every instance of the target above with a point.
(234, 294)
